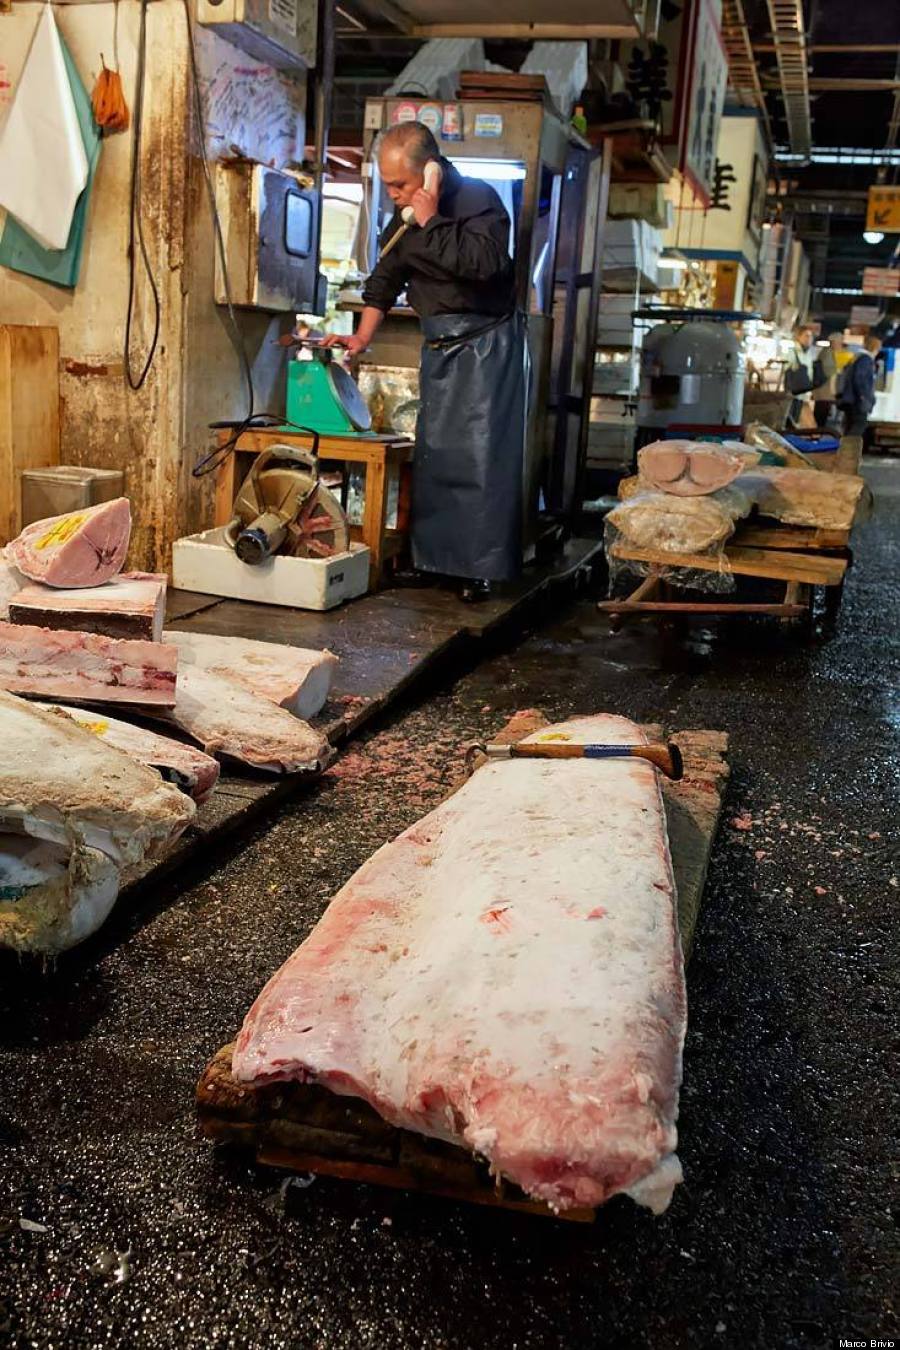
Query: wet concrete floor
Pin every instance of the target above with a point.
(118, 1227)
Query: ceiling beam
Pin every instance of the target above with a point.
(789, 32)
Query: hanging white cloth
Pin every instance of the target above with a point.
(43, 165)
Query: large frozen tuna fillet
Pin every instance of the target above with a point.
(660, 522)
(86, 667)
(226, 719)
(81, 548)
(52, 896)
(184, 765)
(293, 677)
(60, 783)
(131, 605)
(506, 975)
(811, 498)
(11, 582)
(691, 469)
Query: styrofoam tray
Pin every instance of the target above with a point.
(207, 563)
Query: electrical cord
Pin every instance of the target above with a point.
(137, 234)
(209, 463)
(262, 421)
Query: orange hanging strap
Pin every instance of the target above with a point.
(108, 100)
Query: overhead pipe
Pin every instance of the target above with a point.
(789, 35)
(742, 67)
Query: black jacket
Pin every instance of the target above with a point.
(458, 264)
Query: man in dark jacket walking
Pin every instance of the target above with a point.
(857, 391)
(447, 246)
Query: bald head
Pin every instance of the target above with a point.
(410, 140)
(403, 151)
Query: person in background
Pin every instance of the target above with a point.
(452, 258)
(800, 378)
(825, 393)
(856, 396)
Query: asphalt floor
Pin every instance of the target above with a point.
(119, 1227)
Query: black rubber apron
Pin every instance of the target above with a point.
(470, 447)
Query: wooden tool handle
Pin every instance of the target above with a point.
(666, 758)
(547, 750)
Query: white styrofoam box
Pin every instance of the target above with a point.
(614, 411)
(207, 563)
(622, 243)
(614, 321)
(618, 376)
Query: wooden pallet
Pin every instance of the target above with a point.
(800, 559)
(306, 1128)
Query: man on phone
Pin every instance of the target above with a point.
(447, 246)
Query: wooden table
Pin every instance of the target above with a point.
(380, 456)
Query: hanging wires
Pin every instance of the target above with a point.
(135, 223)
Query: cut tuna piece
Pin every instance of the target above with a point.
(81, 548)
(506, 975)
(293, 677)
(131, 605)
(86, 666)
(228, 720)
(184, 765)
(60, 783)
(11, 582)
(690, 468)
(51, 897)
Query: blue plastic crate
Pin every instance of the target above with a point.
(815, 445)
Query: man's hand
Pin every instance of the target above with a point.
(424, 205)
(352, 342)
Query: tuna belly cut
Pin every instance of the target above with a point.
(80, 548)
(86, 666)
(60, 783)
(226, 719)
(184, 765)
(506, 975)
(294, 677)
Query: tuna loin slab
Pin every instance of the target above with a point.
(295, 678)
(506, 975)
(86, 666)
(131, 605)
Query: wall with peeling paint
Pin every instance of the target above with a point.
(157, 434)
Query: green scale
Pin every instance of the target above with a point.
(321, 395)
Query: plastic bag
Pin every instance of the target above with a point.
(656, 524)
(776, 448)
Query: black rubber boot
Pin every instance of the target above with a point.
(474, 591)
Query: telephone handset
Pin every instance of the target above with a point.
(432, 184)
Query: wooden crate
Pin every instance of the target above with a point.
(29, 413)
(306, 1128)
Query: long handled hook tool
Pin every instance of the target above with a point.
(666, 758)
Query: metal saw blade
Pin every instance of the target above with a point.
(321, 529)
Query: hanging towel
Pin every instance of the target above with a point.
(19, 249)
(43, 165)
